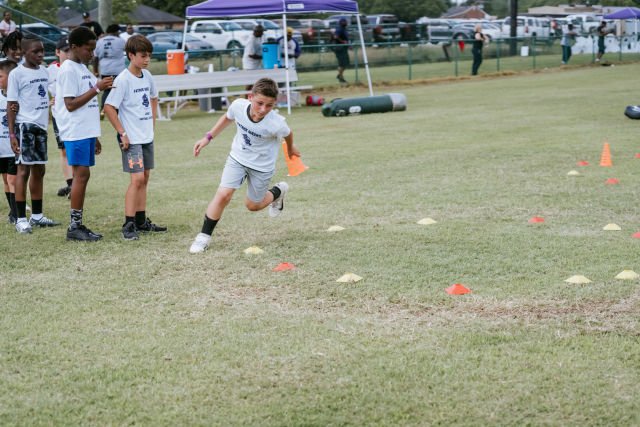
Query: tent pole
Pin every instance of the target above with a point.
(285, 43)
(364, 54)
(184, 33)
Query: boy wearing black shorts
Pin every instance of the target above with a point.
(8, 167)
(27, 90)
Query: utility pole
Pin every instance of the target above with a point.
(105, 13)
(513, 28)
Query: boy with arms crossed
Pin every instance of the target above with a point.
(253, 157)
(27, 90)
(131, 108)
(8, 167)
(78, 117)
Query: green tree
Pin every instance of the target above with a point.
(42, 9)
(121, 10)
(405, 10)
(176, 7)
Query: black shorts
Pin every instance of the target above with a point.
(342, 55)
(56, 132)
(8, 165)
(33, 144)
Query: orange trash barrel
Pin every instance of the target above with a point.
(175, 61)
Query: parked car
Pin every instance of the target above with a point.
(271, 29)
(47, 33)
(221, 34)
(466, 30)
(166, 40)
(384, 27)
(145, 30)
(585, 23)
(332, 22)
(314, 31)
(438, 30)
(528, 26)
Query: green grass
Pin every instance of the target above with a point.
(144, 333)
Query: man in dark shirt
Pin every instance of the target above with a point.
(341, 38)
(92, 25)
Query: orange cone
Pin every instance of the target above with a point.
(284, 266)
(605, 158)
(294, 163)
(457, 289)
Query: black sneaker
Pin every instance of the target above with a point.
(64, 191)
(80, 233)
(148, 226)
(12, 219)
(129, 231)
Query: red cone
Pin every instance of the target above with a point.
(457, 289)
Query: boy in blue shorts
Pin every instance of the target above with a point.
(78, 117)
(131, 108)
(8, 167)
(253, 156)
(27, 90)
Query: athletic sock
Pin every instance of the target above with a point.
(76, 217)
(276, 192)
(208, 225)
(12, 204)
(21, 207)
(6, 193)
(128, 219)
(141, 217)
(36, 207)
(69, 182)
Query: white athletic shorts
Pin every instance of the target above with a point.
(234, 175)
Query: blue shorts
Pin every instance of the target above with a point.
(81, 152)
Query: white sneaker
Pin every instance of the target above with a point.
(277, 205)
(22, 226)
(200, 244)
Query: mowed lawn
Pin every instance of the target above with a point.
(119, 333)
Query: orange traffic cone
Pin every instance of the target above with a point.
(457, 289)
(294, 163)
(605, 157)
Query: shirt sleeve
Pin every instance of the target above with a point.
(231, 111)
(116, 95)
(283, 130)
(67, 82)
(12, 87)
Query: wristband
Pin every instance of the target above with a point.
(123, 134)
(12, 135)
(208, 136)
(97, 89)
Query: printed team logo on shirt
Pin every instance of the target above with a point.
(145, 101)
(41, 91)
(5, 121)
(247, 141)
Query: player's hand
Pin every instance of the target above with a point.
(15, 107)
(124, 143)
(294, 151)
(52, 102)
(105, 83)
(98, 147)
(15, 146)
(199, 146)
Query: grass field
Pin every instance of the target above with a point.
(120, 333)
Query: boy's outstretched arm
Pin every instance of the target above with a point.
(112, 115)
(222, 123)
(291, 148)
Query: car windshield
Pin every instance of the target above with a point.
(269, 25)
(246, 25)
(230, 26)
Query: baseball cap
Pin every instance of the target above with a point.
(63, 43)
(85, 14)
(289, 30)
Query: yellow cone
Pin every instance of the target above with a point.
(612, 227)
(578, 280)
(349, 278)
(334, 228)
(427, 221)
(253, 250)
(628, 275)
(573, 173)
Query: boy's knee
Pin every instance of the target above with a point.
(252, 206)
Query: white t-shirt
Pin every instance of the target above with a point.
(5, 144)
(8, 28)
(291, 49)
(28, 87)
(75, 79)
(132, 97)
(110, 54)
(253, 47)
(53, 69)
(256, 145)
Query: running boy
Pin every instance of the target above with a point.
(131, 109)
(78, 117)
(62, 52)
(8, 167)
(27, 88)
(253, 156)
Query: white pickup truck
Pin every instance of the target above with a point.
(585, 23)
(221, 34)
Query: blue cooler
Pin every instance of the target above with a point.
(270, 55)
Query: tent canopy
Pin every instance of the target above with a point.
(232, 8)
(626, 13)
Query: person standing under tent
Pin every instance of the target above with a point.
(293, 49)
(341, 38)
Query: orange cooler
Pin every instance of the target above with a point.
(175, 61)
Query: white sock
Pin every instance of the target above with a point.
(36, 217)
